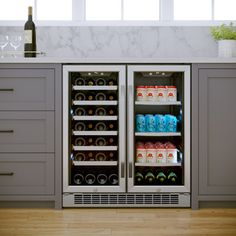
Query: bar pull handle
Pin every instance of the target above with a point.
(6, 90)
(6, 173)
(7, 131)
(122, 170)
(130, 170)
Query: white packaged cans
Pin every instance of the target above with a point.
(171, 153)
(161, 152)
(140, 153)
(171, 93)
(151, 93)
(141, 93)
(161, 93)
(151, 152)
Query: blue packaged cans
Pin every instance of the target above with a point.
(171, 123)
(140, 123)
(150, 123)
(160, 123)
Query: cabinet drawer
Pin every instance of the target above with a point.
(27, 89)
(23, 174)
(27, 131)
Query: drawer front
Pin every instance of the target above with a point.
(27, 89)
(22, 174)
(27, 131)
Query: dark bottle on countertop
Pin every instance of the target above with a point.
(30, 36)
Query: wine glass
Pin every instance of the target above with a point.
(15, 42)
(3, 43)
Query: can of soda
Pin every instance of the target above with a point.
(160, 123)
(150, 123)
(140, 123)
(171, 123)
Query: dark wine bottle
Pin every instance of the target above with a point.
(90, 96)
(138, 177)
(172, 177)
(30, 36)
(113, 179)
(79, 156)
(100, 156)
(90, 156)
(102, 178)
(111, 82)
(100, 81)
(90, 112)
(90, 126)
(149, 177)
(80, 142)
(79, 81)
(80, 111)
(100, 111)
(78, 179)
(100, 96)
(100, 126)
(80, 96)
(100, 142)
(90, 82)
(90, 178)
(80, 126)
(111, 96)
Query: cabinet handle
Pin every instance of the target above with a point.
(6, 90)
(7, 131)
(6, 173)
(130, 170)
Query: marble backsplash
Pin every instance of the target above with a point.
(113, 42)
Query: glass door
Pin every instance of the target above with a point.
(94, 128)
(159, 128)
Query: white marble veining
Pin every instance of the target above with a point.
(123, 42)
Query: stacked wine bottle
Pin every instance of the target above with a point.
(94, 128)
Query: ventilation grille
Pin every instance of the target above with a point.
(126, 199)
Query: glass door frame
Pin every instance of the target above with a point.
(131, 128)
(121, 69)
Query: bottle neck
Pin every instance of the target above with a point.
(29, 17)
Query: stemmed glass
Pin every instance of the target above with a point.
(3, 43)
(15, 42)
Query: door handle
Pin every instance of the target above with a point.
(6, 173)
(6, 90)
(7, 131)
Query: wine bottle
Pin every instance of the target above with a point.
(138, 177)
(79, 156)
(113, 179)
(111, 96)
(102, 178)
(80, 141)
(90, 141)
(111, 156)
(161, 177)
(30, 36)
(111, 112)
(90, 82)
(100, 126)
(100, 96)
(79, 81)
(80, 96)
(90, 112)
(100, 156)
(90, 156)
(100, 111)
(172, 177)
(111, 82)
(100, 142)
(149, 177)
(90, 126)
(100, 82)
(78, 178)
(111, 141)
(90, 96)
(80, 111)
(80, 126)
(90, 179)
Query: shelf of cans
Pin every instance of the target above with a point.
(156, 93)
(157, 154)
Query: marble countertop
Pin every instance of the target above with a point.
(117, 60)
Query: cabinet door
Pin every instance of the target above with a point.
(217, 129)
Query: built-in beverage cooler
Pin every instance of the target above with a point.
(126, 135)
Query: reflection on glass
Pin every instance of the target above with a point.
(3, 43)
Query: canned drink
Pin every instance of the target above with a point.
(171, 123)
(171, 155)
(151, 153)
(151, 93)
(161, 93)
(140, 123)
(160, 123)
(171, 93)
(150, 123)
(161, 152)
(141, 93)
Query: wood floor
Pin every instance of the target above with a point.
(122, 222)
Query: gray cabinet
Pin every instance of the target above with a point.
(30, 133)
(213, 132)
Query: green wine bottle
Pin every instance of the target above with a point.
(149, 177)
(161, 177)
(172, 177)
(138, 177)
